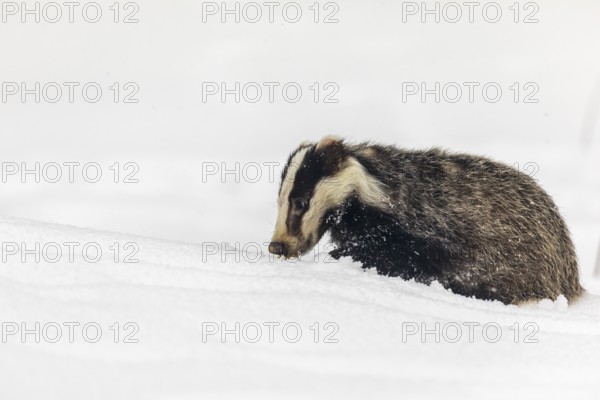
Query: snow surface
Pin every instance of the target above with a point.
(171, 292)
(174, 216)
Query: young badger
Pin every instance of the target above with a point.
(477, 226)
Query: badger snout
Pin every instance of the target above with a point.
(277, 248)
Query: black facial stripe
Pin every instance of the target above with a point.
(293, 222)
(287, 164)
(309, 173)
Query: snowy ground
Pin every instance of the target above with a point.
(176, 219)
(373, 345)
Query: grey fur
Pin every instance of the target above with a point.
(486, 229)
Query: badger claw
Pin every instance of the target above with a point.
(337, 253)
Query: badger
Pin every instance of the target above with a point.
(479, 227)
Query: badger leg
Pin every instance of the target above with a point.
(339, 253)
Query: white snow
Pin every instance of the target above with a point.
(173, 297)
(177, 218)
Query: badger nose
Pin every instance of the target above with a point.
(276, 248)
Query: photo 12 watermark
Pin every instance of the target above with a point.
(469, 12)
(468, 332)
(255, 252)
(518, 171)
(69, 92)
(70, 12)
(238, 172)
(271, 12)
(469, 92)
(269, 332)
(70, 252)
(270, 92)
(269, 172)
(68, 332)
(69, 172)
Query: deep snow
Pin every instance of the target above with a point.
(170, 293)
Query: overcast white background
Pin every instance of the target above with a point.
(172, 135)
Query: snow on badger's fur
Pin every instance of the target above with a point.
(477, 226)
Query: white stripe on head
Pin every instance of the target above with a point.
(286, 187)
(331, 193)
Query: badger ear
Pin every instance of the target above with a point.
(331, 150)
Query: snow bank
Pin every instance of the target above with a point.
(370, 328)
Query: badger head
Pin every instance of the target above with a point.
(316, 181)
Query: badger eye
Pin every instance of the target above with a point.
(300, 204)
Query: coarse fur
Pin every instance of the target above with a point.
(479, 227)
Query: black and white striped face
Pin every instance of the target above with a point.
(317, 179)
